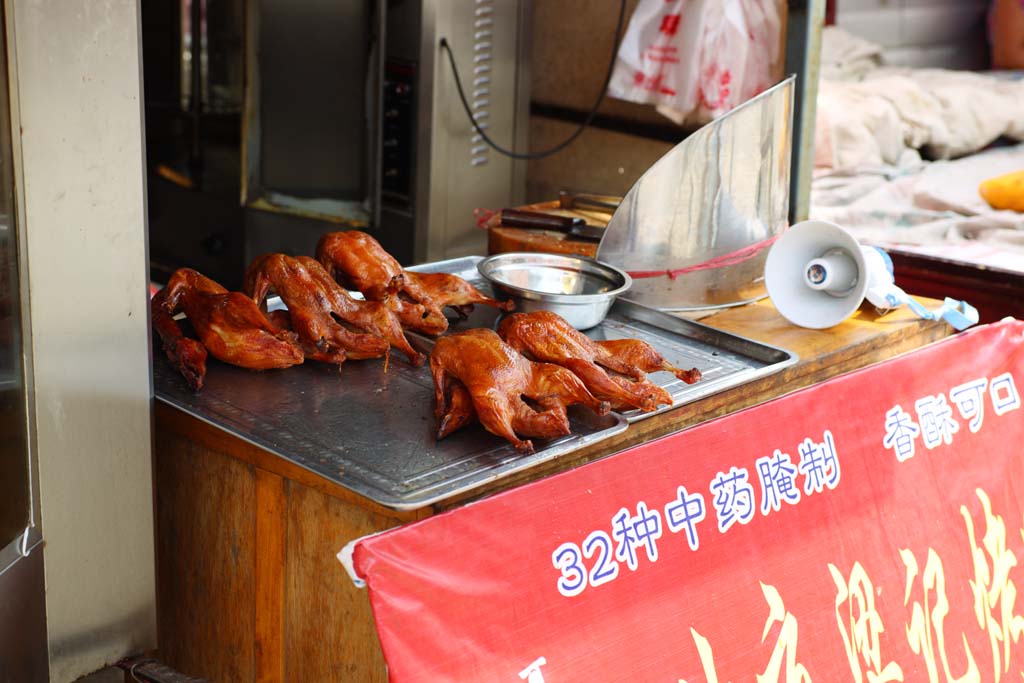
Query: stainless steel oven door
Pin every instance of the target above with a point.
(311, 120)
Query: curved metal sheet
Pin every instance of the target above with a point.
(694, 230)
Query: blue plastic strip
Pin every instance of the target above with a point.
(959, 314)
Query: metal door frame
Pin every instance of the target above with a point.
(32, 536)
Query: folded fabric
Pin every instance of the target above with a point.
(870, 114)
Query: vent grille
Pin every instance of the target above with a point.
(483, 22)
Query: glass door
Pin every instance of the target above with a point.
(15, 482)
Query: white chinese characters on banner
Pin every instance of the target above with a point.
(935, 422)
(635, 531)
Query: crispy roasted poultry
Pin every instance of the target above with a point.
(642, 358)
(355, 258)
(330, 355)
(230, 325)
(547, 337)
(319, 310)
(459, 410)
(445, 289)
(496, 379)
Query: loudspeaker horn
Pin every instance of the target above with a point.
(817, 275)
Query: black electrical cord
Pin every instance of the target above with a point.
(564, 143)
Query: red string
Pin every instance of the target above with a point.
(730, 259)
(483, 216)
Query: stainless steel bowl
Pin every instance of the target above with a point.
(579, 289)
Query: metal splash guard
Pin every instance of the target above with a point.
(694, 230)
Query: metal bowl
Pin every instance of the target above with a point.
(579, 289)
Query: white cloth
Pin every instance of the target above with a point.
(869, 116)
(846, 57)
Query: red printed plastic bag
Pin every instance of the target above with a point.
(698, 59)
(739, 51)
(658, 61)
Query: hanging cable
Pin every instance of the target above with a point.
(575, 134)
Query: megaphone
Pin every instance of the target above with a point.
(818, 275)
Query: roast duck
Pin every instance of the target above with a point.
(319, 310)
(357, 259)
(229, 324)
(547, 337)
(496, 379)
(517, 382)
(471, 382)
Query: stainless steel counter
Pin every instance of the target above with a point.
(373, 431)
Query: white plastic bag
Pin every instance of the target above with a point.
(659, 58)
(698, 59)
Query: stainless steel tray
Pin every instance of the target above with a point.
(373, 432)
(725, 360)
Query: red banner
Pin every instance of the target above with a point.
(865, 529)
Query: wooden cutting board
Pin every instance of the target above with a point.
(503, 239)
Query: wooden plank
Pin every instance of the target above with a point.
(502, 239)
(205, 559)
(865, 335)
(331, 634)
(271, 529)
(249, 588)
(173, 420)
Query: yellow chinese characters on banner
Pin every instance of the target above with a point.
(783, 658)
(947, 657)
(994, 591)
(860, 626)
(926, 632)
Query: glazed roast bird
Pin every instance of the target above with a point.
(231, 327)
(322, 313)
(356, 259)
(494, 381)
(547, 337)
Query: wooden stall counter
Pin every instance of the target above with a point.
(249, 588)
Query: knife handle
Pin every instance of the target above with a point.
(591, 202)
(517, 218)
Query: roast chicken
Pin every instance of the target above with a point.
(230, 325)
(319, 310)
(547, 337)
(356, 259)
(494, 379)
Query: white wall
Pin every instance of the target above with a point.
(78, 95)
(946, 33)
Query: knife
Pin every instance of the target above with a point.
(536, 220)
(589, 202)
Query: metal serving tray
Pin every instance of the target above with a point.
(725, 360)
(373, 431)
